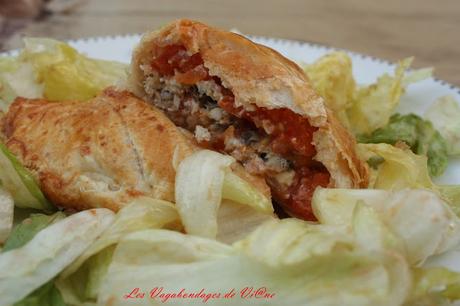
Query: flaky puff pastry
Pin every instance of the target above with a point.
(258, 75)
(101, 153)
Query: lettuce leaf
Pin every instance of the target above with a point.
(202, 180)
(289, 242)
(47, 295)
(444, 114)
(418, 134)
(235, 221)
(199, 182)
(27, 229)
(67, 74)
(435, 286)
(23, 233)
(424, 222)
(82, 287)
(381, 238)
(47, 68)
(6, 215)
(238, 190)
(366, 107)
(79, 283)
(17, 79)
(19, 182)
(332, 78)
(452, 194)
(24, 269)
(399, 168)
(373, 105)
(142, 213)
(298, 262)
(8, 64)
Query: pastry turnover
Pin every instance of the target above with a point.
(248, 101)
(101, 153)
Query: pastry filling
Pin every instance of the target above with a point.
(273, 143)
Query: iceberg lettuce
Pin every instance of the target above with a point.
(66, 74)
(20, 183)
(22, 233)
(6, 214)
(47, 68)
(24, 269)
(452, 194)
(47, 295)
(435, 286)
(397, 168)
(444, 114)
(235, 221)
(373, 105)
(332, 78)
(80, 281)
(367, 107)
(202, 180)
(299, 272)
(418, 134)
(424, 222)
(28, 228)
(17, 79)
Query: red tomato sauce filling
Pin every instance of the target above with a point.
(290, 134)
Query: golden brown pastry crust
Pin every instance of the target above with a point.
(259, 75)
(100, 153)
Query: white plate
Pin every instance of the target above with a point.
(366, 69)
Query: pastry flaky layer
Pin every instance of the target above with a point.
(257, 76)
(101, 153)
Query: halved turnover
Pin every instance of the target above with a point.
(105, 152)
(248, 101)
